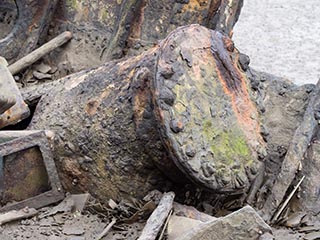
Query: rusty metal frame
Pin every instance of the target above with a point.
(27, 140)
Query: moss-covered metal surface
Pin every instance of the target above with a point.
(207, 119)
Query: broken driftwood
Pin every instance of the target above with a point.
(39, 52)
(107, 229)
(17, 215)
(158, 217)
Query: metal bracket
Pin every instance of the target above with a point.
(15, 141)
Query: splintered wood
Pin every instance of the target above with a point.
(158, 217)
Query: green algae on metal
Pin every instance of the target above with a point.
(197, 119)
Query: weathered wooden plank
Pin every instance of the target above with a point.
(158, 217)
(16, 215)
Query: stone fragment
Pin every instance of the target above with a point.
(310, 197)
(41, 76)
(294, 219)
(191, 213)
(80, 201)
(73, 230)
(178, 226)
(312, 236)
(241, 225)
(267, 236)
(43, 68)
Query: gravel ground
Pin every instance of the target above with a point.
(281, 37)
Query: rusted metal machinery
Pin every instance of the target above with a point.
(184, 107)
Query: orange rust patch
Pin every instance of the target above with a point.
(234, 84)
(135, 30)
(243, 107)
(42, 5)
(195, 6)
(91, 107)
(140, 103)
(192, 4)
(142, 96)
(180, 124)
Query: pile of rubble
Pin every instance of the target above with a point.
(157, 140)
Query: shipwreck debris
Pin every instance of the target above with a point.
(158, 217)
(207, 120)
(12, 142)
(14, 215)
(107, 229)
(124, 104)
(32, 21)
(12, 107)
(131, 27)
(244, 224)
(295, 154)
(7, 97)
(35, 55)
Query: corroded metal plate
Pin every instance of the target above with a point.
(206, 118)
(28, 175)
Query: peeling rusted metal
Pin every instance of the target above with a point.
(130, 27)
(234, 84)
(166, 109)
(27, 161)
(14, 109)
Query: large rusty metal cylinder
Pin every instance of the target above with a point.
(182, 109)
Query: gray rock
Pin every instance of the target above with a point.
(40, 76)
(312, 236)
(43, 68)
(178, 225)
(267, 236)
(241, 225)
(309, 196)
(73, 230)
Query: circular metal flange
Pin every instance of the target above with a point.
(195, 108)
